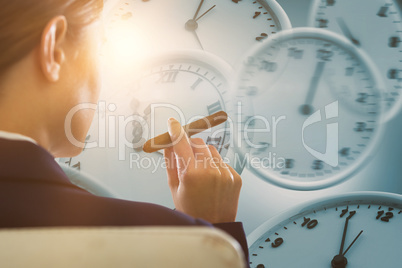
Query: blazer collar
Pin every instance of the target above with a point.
(24, 160)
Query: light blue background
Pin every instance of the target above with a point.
(260, 200)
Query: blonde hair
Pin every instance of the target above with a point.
(22, 23)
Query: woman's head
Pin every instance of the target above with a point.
(48, 65)
(22, 23)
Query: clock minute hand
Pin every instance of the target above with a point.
(345, 229)
(340, 261)
(346, 31)
(198, 9)
(306, 108)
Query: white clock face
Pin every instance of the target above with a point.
(227, 30)
(314, 108)
(180, 86)
(374, 26)
(311, 235)
(138, 30)
(187, 85)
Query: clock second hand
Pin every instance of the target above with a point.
(306, 108)
(198, 39)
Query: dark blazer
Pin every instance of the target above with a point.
(35, 192)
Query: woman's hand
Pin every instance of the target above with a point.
(202, 185)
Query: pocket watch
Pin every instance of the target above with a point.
(376, 27)
(309, 108)
(359, 229)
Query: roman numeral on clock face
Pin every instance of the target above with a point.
(168, 77)
(215, 107)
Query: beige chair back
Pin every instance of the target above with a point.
(119, 247)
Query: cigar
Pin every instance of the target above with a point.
(163, 141)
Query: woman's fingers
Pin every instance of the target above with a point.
(202, 155)
(181, 146)
(236, 177)
(171, 167)
(223, 167)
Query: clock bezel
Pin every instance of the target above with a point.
(364, 197)
(341, 41)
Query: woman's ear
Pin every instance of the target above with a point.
(51, 53)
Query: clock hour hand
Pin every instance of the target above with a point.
(351, 244)
(192, 24)
(340, 261)
(307, 108)
(205, 13)
(346, 31)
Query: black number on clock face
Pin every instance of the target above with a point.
(318, 165)
(360, 126)
(344, 211)
(325, 55)
(322, 23)
(261, 37)
(257, 13)
(351, 214)
(277, 242)
(289, 163)
(394, 41)
(344, 152)
(387, 216)
(362, 97)
(393, 74)
(310, 223)
(383, 12)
